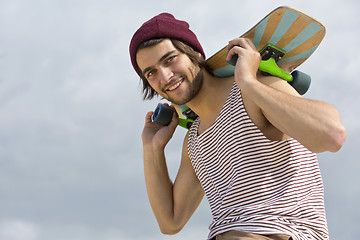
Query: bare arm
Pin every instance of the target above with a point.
(316, 124)
(172, 204)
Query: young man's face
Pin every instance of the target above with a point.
(170, 72)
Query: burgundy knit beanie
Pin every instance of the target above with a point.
(163, 25)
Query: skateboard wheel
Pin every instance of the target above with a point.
(301, 82)
(162, 114)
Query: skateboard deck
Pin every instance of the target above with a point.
(296, 33)
(286, 36)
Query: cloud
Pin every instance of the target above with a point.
(71, 113)
(18, 230)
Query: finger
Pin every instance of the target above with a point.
(235, 42)
(234, 50)
(148, 117)
(232, 43)
(250, 43)
(234, 47)
(241, 42)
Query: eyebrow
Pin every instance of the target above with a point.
(160, 60)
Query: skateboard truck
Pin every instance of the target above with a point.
(271, 51)
(270, 54)
(187, 112)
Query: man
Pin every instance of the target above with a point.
(251, 150)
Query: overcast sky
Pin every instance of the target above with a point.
(71, 113)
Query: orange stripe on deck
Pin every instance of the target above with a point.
(273, 23)
(297, 27)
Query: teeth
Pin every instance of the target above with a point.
(175, 86)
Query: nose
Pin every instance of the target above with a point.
(165, 74)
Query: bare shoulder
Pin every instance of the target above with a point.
(185, 143)
(255, 113)
(185, 159)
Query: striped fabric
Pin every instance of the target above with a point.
(254, 184)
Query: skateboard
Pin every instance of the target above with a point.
(285, 38)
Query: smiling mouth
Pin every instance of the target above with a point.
(175, 86)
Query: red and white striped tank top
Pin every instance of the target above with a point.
(254, 184)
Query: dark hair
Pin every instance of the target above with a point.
(148, 91)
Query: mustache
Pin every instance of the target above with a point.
(172, 81)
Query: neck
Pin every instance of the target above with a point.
(209, 101)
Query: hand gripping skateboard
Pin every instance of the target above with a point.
(285, 38)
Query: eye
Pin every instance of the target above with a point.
(170, 59)
(150, 73)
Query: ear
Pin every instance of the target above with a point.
(200, 56)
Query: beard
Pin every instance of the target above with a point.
(193, 90)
